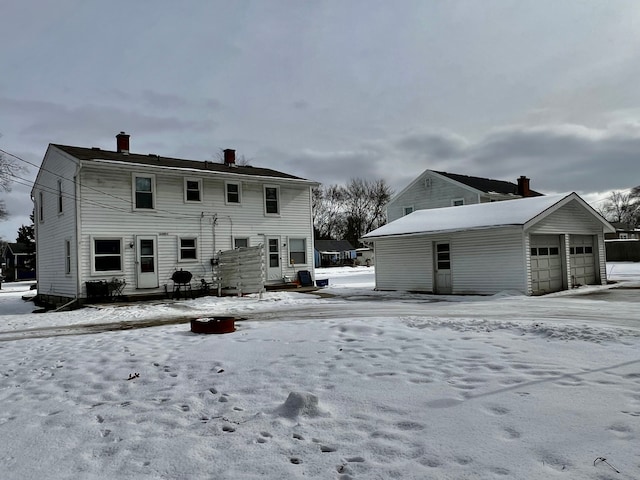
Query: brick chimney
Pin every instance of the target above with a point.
(122, 142)
(523, 186)
(229, 157)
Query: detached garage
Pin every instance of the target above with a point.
(533, 245)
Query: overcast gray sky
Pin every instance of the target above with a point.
(331, 90)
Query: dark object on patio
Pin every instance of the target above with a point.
(213, 325)
(322, 283)
(304, 277)
(97, 289)
(182, 283)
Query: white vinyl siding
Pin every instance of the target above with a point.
(404, 264)
(174, 219)
(488, 261)
(429, 191)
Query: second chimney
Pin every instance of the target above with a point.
(523, 187)
(229, 157)
(122, 143)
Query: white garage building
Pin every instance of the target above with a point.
(533, 245)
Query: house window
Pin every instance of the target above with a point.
(271, 201)
(298, 251)
(240, 242)
(188, 249)
(456, 202)
(59, 196)
(67, 257)
(407, 210)
(107, 254)
(144, 187)
(192, 190)
(233, 193)
(40, 207)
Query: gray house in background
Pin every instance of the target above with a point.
(334, 253)
(432, 189)
(534, 246)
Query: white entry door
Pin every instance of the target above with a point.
(442, 261)
(147, 261)
(274, 266)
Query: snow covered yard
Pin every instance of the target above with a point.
(368, 385)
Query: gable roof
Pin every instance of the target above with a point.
(18, 248)
(333, 245)
(97, 154)
(486, 185)
(521, 212)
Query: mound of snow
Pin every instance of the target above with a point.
(300, 404)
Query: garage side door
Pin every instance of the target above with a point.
(583, 260)
(546, 264)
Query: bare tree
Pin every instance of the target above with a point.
(348, 212)
(622, 207)
(8, 170)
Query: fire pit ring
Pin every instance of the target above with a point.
(213, 325)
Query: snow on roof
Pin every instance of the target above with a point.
(465, 217)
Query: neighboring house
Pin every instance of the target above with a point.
(441, 189)
(116, 215)
(535, 245)
(365, 256)
(16, 265)
(624, 231)
(334, 253)
(623, 245)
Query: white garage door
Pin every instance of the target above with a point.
(583, 260)
(546, 264)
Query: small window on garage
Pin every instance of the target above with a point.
(572, 251)
(543, 251)
(579, 250)
(554, 251)
(534, 252)
(588, 249)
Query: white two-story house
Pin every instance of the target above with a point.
(432, 189)
(102, 215)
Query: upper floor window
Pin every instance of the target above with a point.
(407, 210)
(192, 190)
(456, 202)
(144, 191)
(272, 200)
(233, 193)
(59, 196)
(40, 207)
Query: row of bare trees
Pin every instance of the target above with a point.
(622, 207)
(348, 212)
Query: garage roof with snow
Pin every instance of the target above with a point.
(477, 216)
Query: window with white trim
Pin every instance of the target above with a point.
(67, 257)
(233, 192)
(59, 196)
(107, 254)
(188, 249)
(144, 187)
(407, 210)
(272, 200)
(193, 190)
(298, 251)
(456, 202)
(240, 242)
(40, 207)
